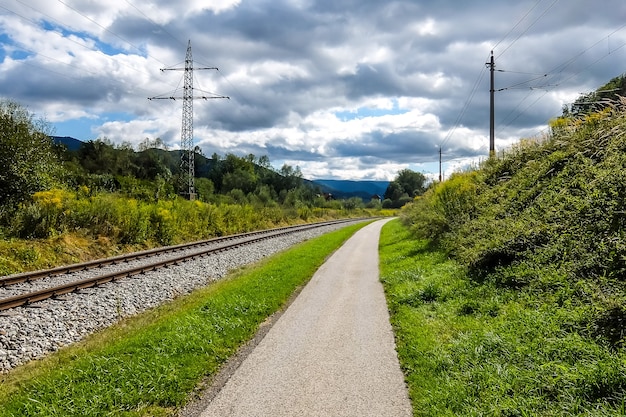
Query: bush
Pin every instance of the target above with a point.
(444, 207)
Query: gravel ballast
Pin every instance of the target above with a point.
(31, 332)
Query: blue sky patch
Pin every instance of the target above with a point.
(81, 128)
(76, 128)
(103, 47)
(15, 52)
(362, 112)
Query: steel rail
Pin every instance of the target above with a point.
(28, 298)
(83, 266)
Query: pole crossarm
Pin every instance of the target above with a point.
(194, 68)
(182, 98)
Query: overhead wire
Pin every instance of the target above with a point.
(65, 38)
(457, 122)
(566, 64)
(110, 32)
(155, 23)
(527, 28)
(483, 70)
(539, 76)
(93, 49)
(161, 27)
(197, 86)
(124, 39)
(517, 24)
(552, 76)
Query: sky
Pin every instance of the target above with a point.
(342, 89)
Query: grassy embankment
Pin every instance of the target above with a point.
(507, 286)
(471, 349)
(58, 227)
(149, 365)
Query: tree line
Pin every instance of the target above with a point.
(31, 161)
(153, 172)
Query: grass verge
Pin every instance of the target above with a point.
(149, 364)
(476, 349)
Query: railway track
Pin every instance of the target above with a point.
(171, 255)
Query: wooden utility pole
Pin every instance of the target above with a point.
(440, 177)
(492, 134)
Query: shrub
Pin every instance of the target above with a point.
(444, 207)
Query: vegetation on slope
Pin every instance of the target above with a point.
(555, 204)
(534, 322)
(474, 349)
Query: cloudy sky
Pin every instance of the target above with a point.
(344, 89)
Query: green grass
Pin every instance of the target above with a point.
(149, 365)
(473, 348)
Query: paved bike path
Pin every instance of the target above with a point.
(332, 352)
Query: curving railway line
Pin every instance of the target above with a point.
(43, 285)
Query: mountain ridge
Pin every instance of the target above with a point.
(365, 189)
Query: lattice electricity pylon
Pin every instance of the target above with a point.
(187, 164)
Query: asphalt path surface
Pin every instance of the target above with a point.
(332, 353)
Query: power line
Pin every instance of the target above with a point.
(517, 24)
(457, 122)
(154, 23)
(109, 31)
(528, 28)
(550, 75)
(482, 72)
(241, 97)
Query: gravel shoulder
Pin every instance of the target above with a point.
(331, 353)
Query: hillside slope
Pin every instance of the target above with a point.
(558, 202)
(69, 142)
(537, 314)
(171, 159)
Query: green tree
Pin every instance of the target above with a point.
(205, 189)
(290, 178)
(394, 191)
(241, 179)
(28, 162)
(99, 157)
(353, 203)
(411, 182)
(405, 186)
(152, 163)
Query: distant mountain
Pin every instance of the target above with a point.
(347, 189)
(70, 143)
